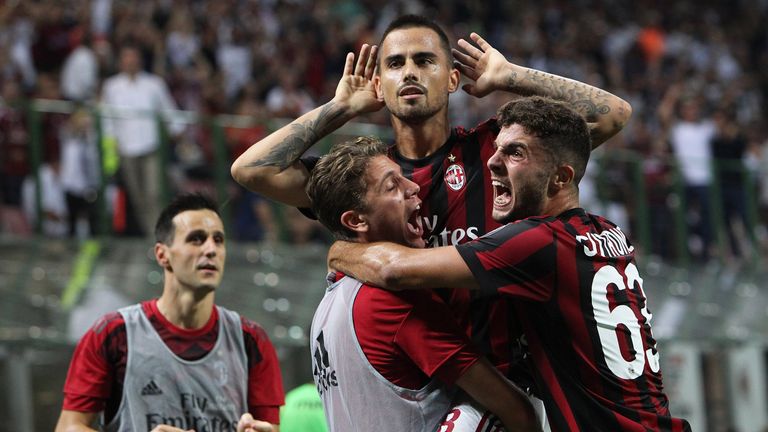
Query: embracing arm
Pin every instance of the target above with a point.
(75, 421)
(393, 266)
(605, 113)
(271, 167)
(488, 387)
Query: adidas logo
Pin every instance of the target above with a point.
(151, 389)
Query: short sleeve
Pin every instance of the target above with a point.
(517, 259)
(265, 382)
(91, 375)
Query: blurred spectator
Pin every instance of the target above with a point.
(53, 207)
(302, 230)
(80, 173)
(133, 98)
(657, 178)
(222, 57)
(235, 58)
(255, 218)
(80, 73)
(729, 147)
(52, 32)
(17, 31)
(690, 135)
(14, 157)
(287, 99)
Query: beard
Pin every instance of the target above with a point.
(529, 201)
(416, 113)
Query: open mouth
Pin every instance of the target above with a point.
(414, 222)
(502, 196)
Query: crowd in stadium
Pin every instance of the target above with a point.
(694, 73)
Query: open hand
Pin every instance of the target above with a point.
(483, 64)
(356, 87)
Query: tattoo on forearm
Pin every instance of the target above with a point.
(587, 100)
(302, 136)
(512, 80)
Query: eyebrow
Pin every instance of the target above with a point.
(388, 175)
(418, 55)
(203, 232)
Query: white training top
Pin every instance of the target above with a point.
(355, 396)
(209, 394)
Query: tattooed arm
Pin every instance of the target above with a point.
(271, 167)
(605, 113)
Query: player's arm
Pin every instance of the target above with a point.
(605, 113)
(75, 421)
(393, 266)
(271, 167)
(488, 387)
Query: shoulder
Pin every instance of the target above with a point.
(108, 324)
(253, 330)
(377, 308)
(484, 130)
(377, 300)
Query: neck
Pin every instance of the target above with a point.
(562, 202)
(186, 308)
(419, 140)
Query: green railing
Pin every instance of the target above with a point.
(641, 207)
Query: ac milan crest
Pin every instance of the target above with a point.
(455, 177)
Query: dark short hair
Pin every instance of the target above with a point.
(562, 131)
(338, 182)
(411, 21)
(165, 229)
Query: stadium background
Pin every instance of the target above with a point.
(238, 69)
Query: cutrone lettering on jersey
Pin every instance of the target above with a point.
(447, 237)
(609, 244)
(193, 416)
(325, 376)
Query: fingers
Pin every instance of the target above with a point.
(362, 59)
(348, 64)
(480, 41)
(365, 66)
(467, 71)
(259, 426)
(470, 49)
(370, 67)
(464, 58)
(248, 424)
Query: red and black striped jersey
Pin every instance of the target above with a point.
(457, 198)
(579, 297)
(455, 183)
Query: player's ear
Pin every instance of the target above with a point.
(354, 221)
(377, 86)
(161, 256)
(454, 79)
(562, 178)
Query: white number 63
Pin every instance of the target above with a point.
(608, 321)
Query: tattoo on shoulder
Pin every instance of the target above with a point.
(302, 137)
